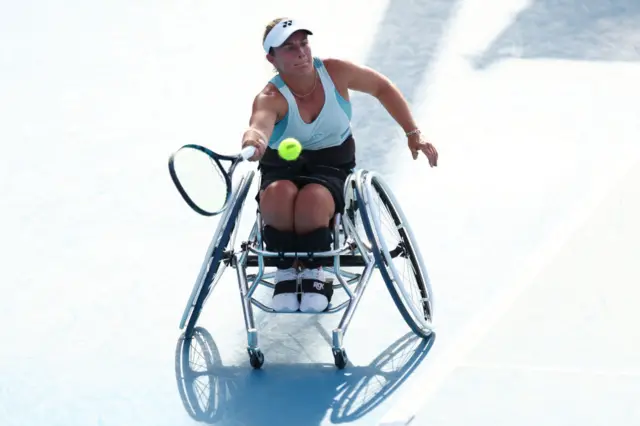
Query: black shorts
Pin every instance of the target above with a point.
(328, 167)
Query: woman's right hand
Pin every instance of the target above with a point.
(260, 148)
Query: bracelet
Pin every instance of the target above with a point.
(413, 132)
(261, 135)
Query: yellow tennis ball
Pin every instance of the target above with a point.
(289, 149)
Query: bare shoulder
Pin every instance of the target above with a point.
(352, 75)
(339, 71)
(270, 99)
(343, 67)
(336, 67)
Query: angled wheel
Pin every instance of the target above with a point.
(215, 261)
(340, 358)
(396, 252)
(351, 214)
(256, 358)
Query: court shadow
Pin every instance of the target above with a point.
(296, 394)
(590, 30)
(404, 46)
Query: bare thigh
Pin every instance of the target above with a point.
(277, 204)
(314, 208)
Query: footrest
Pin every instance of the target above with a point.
(346, 260)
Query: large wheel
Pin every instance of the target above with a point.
(399, 260)
(351, 212)
(214, 264)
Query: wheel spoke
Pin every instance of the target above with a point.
(405, 280)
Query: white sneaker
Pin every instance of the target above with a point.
(316, 294)
(285, 295)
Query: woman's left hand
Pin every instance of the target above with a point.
(417, 143)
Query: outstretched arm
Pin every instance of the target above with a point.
(367, 80)
(263, 118)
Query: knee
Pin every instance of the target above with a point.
(277, 204)
(314, 200)
(278, 196)
(314, 207)
(314, 211)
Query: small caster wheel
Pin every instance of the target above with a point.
(256, 358)
(340, 358)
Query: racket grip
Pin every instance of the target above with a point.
(247, 152)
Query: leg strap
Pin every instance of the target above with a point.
(284, 241)
(315, 241)
(317, 286)
(289, 286)
(280, 241)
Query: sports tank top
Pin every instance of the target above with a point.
(332, 126)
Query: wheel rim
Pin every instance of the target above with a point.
(389, 220)
(214, 254)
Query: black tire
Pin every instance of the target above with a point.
(256, 358)
(340, 358)
(421, 326)
(217, 256)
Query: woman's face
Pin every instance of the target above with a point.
(294, 55)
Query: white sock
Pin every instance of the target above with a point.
(313, 302)
(285, 302)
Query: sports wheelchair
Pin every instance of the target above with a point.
(358, 243)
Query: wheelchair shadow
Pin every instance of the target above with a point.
(288, 394)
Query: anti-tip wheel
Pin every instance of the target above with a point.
(340, 358)
(256, 358)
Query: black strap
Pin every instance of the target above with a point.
(286, 286)
(317, 286)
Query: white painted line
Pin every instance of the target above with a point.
(413, 399)
(400, 423)
(633, 373)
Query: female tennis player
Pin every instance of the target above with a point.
(308, 100)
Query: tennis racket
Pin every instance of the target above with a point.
(201, 170)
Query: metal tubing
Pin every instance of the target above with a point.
(252, 335)
(341, 330)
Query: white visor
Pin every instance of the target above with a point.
(281, 32)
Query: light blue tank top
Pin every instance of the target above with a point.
(330, 128)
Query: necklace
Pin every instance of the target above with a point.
(315, 82)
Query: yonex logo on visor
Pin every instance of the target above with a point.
(281, 32)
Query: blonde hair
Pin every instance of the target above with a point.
(269, 27)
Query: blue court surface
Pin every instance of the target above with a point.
(528, 225)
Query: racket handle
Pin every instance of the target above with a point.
(247, 152)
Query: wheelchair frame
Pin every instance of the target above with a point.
(350, 249)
